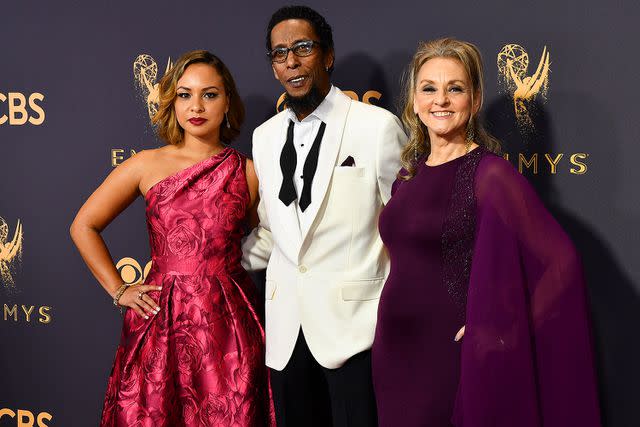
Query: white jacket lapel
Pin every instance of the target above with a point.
(327, 157)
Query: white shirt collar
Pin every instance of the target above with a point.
(322, 111)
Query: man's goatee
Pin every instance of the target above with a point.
(304, 104)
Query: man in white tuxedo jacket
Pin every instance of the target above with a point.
(325, 165)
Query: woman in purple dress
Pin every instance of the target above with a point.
(483, 321)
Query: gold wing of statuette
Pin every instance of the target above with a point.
(153, 94)
(541, 74)
(9, 251)
(529, 87)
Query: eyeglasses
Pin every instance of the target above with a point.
(302, 48)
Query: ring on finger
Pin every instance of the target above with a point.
(140, 294)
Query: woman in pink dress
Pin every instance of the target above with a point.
(192, 348)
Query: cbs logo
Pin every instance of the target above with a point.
(26, 418)
(131, 272)
(21, 109)
(367, 98)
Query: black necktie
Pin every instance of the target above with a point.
(309, 169)
(288, 162)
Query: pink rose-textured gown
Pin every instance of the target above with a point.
(200, 360)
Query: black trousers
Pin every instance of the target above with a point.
(306, 394)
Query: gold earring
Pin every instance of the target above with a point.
(470, 136)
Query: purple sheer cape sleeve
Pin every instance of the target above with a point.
(527, 356)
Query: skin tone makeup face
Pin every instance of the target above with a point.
(443, 102)
(298, 74)
(201, 102)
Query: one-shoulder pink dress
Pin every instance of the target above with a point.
(200, 360)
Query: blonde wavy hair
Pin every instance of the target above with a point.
(165, 119)
(419, 145)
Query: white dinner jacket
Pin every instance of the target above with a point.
(328, 279)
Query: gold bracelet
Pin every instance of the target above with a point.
(118, 294)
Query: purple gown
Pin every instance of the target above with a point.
(471, 244)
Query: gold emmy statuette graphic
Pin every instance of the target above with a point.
(10, 252)
(513, 64)
(145, 73)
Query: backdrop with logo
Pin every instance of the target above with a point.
(78, 82)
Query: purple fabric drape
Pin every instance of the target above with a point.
(526, 357)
